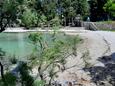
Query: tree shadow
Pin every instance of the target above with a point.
(103, 75)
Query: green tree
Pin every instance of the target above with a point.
(49, 9)
(29, 18)
(71, 8)
(16, 11)
(82, 7)
(8, 10)
(109, 7)
(97, 13)
(50, 55)
(42, 21)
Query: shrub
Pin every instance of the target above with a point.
(29, 18)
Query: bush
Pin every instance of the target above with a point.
(9, 79)
(29, 18)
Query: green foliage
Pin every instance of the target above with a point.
(97, 12)
(55, 23)
(49, 53)
(39, 83)
(26, 79)
(74, 7)
(29, 18)
(8, 11)
(10, 80)
(30, 13)
(110, 7)
(35, 37)
(49, 9)
(73, 41)
(42, 21)
(82, 7)
(9, 7)
(72, 12)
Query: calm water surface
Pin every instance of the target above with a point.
(16, 44)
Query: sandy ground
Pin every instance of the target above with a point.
(98, 44)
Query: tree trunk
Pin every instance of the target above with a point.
(2, 29)
(2, 74)
(108, 17)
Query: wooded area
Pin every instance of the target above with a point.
(50, 55)
(36, 13)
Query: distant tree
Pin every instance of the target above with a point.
(42, 21)
(71, 8)
(16, 11)
(82, 7)
(29, 18)
(47, 8)
(8, 11)
(97, 12)
(109, 7)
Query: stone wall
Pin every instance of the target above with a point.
(105, 26)
(90, 26)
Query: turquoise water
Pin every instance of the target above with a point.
(19, 45)
(16, 44)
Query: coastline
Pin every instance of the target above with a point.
(65, 29)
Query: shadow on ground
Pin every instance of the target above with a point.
(103, 75)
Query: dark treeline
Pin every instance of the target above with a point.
(102, 10)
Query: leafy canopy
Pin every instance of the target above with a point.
(110, 7)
